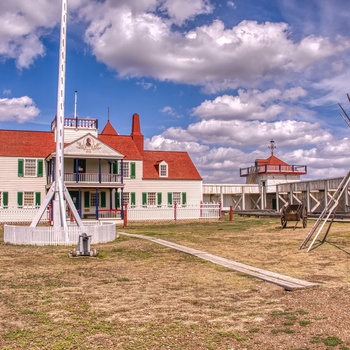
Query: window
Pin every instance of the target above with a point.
(163, 170)
(180, 198)
(177, 197)
(30, 167)
(129, 170)
(151, 198)
(93, 199)
(129, 198)
(126, 169)
(90, 199)
(126, 198)
(28, 199)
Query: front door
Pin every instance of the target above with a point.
(76, 200)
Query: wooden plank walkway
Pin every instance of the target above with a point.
(288, 283)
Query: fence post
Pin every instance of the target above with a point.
(125, 215)
(175, 206)
(201, 210)
(231, 210)
(220, 211)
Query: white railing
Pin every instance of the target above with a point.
(110, 214)
(92, 177)
(18, 215)
(174, 212)
(48, 235)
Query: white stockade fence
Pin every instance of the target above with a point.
(48, 235)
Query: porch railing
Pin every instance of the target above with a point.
(92, 178)
(270, 168)
(81, 123)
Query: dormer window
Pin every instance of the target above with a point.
(163, 169)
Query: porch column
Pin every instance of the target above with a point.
(97, 203)
(111, 198)
(99, 171)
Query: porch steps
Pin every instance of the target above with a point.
(288, 283)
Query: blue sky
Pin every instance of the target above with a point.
(218, 79)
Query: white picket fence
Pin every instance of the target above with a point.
(175, 212)
(19, 215)
(100, 232)
(134, 213)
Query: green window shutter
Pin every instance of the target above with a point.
(132, 198)
(103, 199)
(20, 199)
(184, 200)
(170, 198)
(115, 167)
(159, 198)
(37, 199)
(132, 170)
(86, 199)
(117, 199)
(144, 198)
(5, 199)
(20, 167)
(39, 168)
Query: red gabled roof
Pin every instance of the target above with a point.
(180, 165)
(272, 160)
(20, 143)
(123, 144)
(40, 144)
(108, 129)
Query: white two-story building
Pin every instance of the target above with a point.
(103, 171)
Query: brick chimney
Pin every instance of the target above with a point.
(136, 134)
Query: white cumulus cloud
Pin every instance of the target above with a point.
(21, 109)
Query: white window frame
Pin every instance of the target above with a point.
(126, 169)
(177, 198)
(92, 200)
(30, 167)
(28, 199)
(163, 170)
(151, 199)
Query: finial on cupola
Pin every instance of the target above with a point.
(272, 146)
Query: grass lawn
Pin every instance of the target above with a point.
(140, 295)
